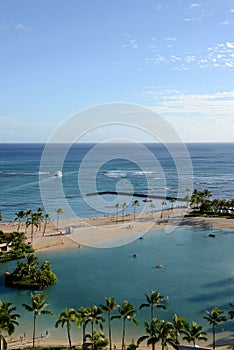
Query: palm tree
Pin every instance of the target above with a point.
(231, 312)
(66, 318)
(32, 264)
(154, 300)
(38, 304)
(98, 341)
(194, 333)
(8, 321)
(214, 317)
(47, 218)
(32, 221)
(95, 317)
(123, 206)
(163, 203)
(40, 216)
(127, 312)
(207, 193)
(152, 333)
(110, 307)
(28, 213)
(135, 204)
(165, 333)
(59, 212)
(83, 316)
(180, 324)
(19, 216)
(0, 216)
(196, 198)
(117, 206)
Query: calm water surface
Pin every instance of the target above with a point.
(197, 274)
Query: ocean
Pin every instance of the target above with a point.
(27, 182)
(197, 273)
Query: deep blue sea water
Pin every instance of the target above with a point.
(198, 272)
(111, 168)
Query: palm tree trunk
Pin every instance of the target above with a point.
(83, 335)
(92, 332)
(152, 312)
(134, 213)
(31, 232)
(34, 329)
(44, 228)
(123, 336)
(109, 324)
(18, 226)
(68, 334)
(213, 337)
(92, 329)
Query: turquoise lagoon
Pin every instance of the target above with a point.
(197, 275)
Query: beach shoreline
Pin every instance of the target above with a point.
(107, 231)
(46, 341)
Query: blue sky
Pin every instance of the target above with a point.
(59, 57)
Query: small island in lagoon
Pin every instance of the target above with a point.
(30, 275)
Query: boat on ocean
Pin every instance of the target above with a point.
(58, 173)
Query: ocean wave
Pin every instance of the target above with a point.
(23, 173)
(115, 173)
(124, 173)
(142, 172)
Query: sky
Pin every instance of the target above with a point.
(59, 57)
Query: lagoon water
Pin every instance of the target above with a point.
(197, 274)
(198, 271)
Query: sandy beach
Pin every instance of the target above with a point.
(47, 342)
(108, 232)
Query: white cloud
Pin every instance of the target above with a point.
(220, 55)
(129, 42)
(197, 117)
(22, 27)
(171, 39)
(209, 105)
(195, 5)
(228, 21)
(230, 45)
(195, 19)
(18, 26)
(229, 64)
